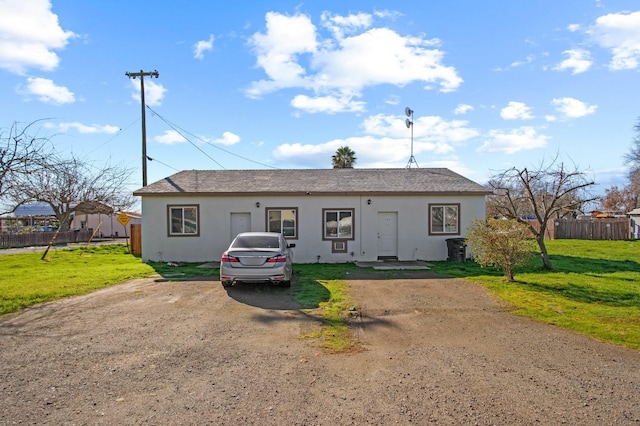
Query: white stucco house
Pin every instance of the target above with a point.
(106, 224)
(331, 215)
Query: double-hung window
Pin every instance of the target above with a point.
(183, 220)
(284, 221)
(338, 224)
(444, 219)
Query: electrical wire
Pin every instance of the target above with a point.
(168, 123)
(158, 161)
(120, 131)
(181, 132)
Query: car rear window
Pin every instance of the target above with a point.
(256, 242)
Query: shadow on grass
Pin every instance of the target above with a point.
(563, 266)
(587, 294)
(175, 271)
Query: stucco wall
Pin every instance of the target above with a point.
(413, 241)
(109, 225)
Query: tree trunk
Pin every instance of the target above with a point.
(509, 274)
(543, 251)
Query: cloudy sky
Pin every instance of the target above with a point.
(492, 84)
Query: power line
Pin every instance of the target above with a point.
(158, 161)
(185, 138)
(120, 131)
(182, 131)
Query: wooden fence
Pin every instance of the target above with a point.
(43, 238)
(587, 229)
(136, 239)
(593, 229)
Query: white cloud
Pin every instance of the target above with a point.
(463, 109)
(573, 27)
(509, 142)
(153, 92)
(341, 25)
(170, 137)
(385, 13)
(277, 51)
(326, 104)
(47, 91)
(83, 128)
(29, 35)
(386, 143)
(429, 128)
(228, 138)
(573, 108)
(528, 60)
(579, 61)
(516, 111)
(293, 54)
(203, 46)
(619, 32)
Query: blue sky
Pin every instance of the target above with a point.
(245, 85)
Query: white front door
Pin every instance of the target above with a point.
(387, 234)
(240, 222)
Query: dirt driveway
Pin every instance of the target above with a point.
(437, 351)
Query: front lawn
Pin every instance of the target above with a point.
(25, 279)
(594, 288)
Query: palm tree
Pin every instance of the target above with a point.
(344, 158)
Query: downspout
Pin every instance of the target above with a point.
(361, 227)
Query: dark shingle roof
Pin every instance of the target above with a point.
(317, 181)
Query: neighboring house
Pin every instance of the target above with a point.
(331, 215)
(108, 222)
(634, 223)
(37, 216)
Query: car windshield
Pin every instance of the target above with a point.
(256, 241)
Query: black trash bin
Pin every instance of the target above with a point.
(456, 249)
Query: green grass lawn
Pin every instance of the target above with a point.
(594, 288)
(25, 279)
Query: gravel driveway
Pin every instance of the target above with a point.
(438, 351)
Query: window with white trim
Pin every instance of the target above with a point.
(338, 224)
(284, 221)
(444, 219)
(183, 220)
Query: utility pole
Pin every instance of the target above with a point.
(142, 75)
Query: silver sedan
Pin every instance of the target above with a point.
(257, 257)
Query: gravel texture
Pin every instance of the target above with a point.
(434, 351)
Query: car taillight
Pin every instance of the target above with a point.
(277, 259)
(229, 259)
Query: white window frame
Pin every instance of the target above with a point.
(447, 228)
(293, 210)
(338, 235)
(185, 229)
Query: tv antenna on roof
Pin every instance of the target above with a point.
(409, 123)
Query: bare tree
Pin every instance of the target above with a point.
(20, 154)
(547, 192)
(620, 200)
(70, 185)
(632, 159)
